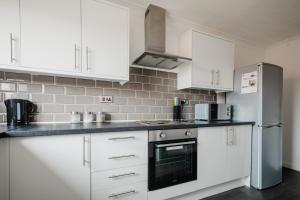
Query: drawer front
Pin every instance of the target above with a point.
(118, 177)
(118, 150)
(136, 191)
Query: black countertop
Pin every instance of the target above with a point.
(67, 128)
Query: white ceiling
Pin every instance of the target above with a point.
(262, 22)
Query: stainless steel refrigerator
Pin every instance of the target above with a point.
(257, 97)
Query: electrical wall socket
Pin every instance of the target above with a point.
(106, 99)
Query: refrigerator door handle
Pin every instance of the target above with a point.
(270, 125)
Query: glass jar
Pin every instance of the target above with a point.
(75, 117)
(100, 117)
(88, 117)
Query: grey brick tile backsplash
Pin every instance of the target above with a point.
(147, 96)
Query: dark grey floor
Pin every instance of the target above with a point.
(288, 190)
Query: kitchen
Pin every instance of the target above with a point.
(148, 100)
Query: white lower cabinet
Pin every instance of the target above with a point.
(239, 151)
(212, 156)
(4, 169)
(112, 165)
(48, 168)
(119, 165)
(224, 154)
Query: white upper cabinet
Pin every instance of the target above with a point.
(212, 62)
(105, 39)
(10, 32)
(50, 33)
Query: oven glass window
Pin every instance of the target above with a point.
(173, 162)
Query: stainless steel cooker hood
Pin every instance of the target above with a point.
(155, 42)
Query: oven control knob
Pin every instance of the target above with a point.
(188, 133)
(162, 135)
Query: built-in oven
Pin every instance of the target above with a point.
(172, 157)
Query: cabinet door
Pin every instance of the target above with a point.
(48, 168)
(239, 152)
(50, 34)
(4, 169)
(9, 34)
(224, 65)
(212, 156)
(203, 71)
(105, 38)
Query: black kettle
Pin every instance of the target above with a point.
(18, 111)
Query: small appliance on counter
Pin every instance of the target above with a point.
(178, 108)
(18, 111)
(213, 112)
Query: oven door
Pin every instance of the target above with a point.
(172, 162)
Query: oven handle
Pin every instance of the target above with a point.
(174, 144)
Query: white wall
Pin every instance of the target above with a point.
(287, 55)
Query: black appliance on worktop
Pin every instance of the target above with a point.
(19, 112)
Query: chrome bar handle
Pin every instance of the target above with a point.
(87, 58)
(12, 59)
(175, 144)
(218, 77)
(75, 52)
(121, 175)
(120, 157)
(85, 161)
(122, 138)
(122, 194)
(212, 77)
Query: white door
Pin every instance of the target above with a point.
(239, 151)
(9, 34)
(224, 65)
(4, 169)
(50, 34)
(203, 73)
(105, 39)
(48, 168)
(212, 156)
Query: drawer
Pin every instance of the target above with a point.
(118, 177)
(118, 150)
(137, 191)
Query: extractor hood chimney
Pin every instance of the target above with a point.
(155, 42)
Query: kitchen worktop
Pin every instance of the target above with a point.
(67, 128)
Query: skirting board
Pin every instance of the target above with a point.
(213, 190)
(291, 166)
